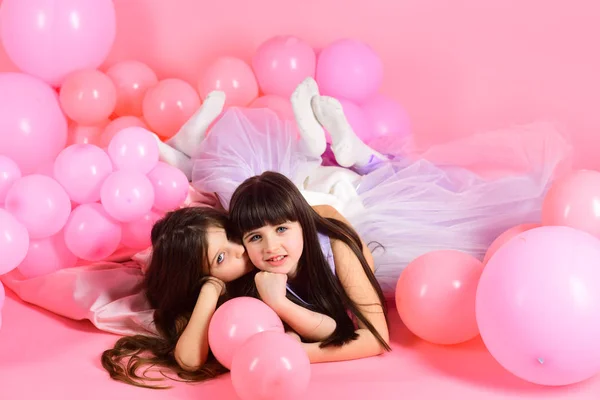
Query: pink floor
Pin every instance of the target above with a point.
(43, 356)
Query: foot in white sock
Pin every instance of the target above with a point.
(174, 158)
(193, 132)
(311, 132)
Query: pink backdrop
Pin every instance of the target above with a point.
(458, 67)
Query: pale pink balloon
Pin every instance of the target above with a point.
(168, 105)
(91, 234)
(52, 38)
(88, 96)
(235, 321)
(33, 128)
(134, 149)
(40, 203)
(118, 125)
(81, 134)
(9, 174)
(14, 242)
(170, 186)
(136, 234)
(538, 303)
(47, 255)
(81, 170)
(132, 80)
(386, 117)
(281, 63)
(270, 365)
(435, 296)
(127, 195)
(505, 237)
(232, 76)
(280, 105)
(2, 295)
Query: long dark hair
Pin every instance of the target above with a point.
(273, 199)
(172, 285)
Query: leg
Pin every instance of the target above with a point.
(312, 140)
(174, 157)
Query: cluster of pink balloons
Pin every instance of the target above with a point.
(247, 337)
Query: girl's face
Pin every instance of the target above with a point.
(227, 260)
(275, 249)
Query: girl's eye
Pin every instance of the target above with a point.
(281, 229)
(220, 258)
(254, 238)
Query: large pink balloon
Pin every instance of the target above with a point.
(270, 365)
(280, 105)
(81, 134)
(134, 149)
(505, 237)
(232, 76)
(136, 234)
(33, 128)
(235, 321)
(127, 195)
(386, 117)
(118, 125)
(435, 296)
(2, 295)
(14, 242)
(47, 255)
(88, 96)
(538, 303)
(132, 80)
(9, 174)
(170, 186)
(281, 63)
(40, 203)
(52, 38)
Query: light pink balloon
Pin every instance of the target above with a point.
(168, 105)
(235, 321)
(349, 69)
(280, 105)
(134, 149)
(40, 203)
(232, 76)
(33, 128)
(281, 63)
(136, 234)
(132, 80)
(386, 117)
(14, 242)
(270, 365)
(81, 170)
(9, 174)
(81, 134)
(118, 125)
(170, 186)
(47, 255)
(2, 295)
(505, 237)
(91, 234)
(88, 96)
(127, 195)
(538, 303)
(52, 38)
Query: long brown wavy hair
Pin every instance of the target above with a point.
(272, 199)
(172, 285)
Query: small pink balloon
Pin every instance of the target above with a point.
(170, 186)
(235, 321)
(47, 255)
(132, 80)
(538, 303)
(270, 365)
(88, 96)
(127, 195)
(81, 170)
(2, 295)
(134, 149)
(9, 174)
(118, 125)
(40, 203)
(281, 63)
(81, 134)
(386, 117)
(136, 234)
(168, 105)
(349, 69)
(505, 237)
(14, 242)
(435, 296)
(281, 106)
(91, 234)
(232, 76)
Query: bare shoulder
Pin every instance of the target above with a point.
(327, 211)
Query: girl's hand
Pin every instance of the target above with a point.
(271, 288)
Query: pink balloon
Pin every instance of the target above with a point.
(282, 63)
(118, 125)
(81, 169)
(33, 128)
(235, 321)
(2, 295)
(52, 38)
(573, 201)
(88, 96)
(349, 69)
(435, 296)
(40, 203)
(134, 149)
(270, 365)
(132, 80)
(14, 242)
(136, 234)
(538, 303)
(91, 234)
(232, 76)
(9, 174)
(81, 134)
(281, 106)
(168, 105)
(357, 120)
(127, 195)
(505, 237)
(170, 186)
(47, 255)
(386, 117)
